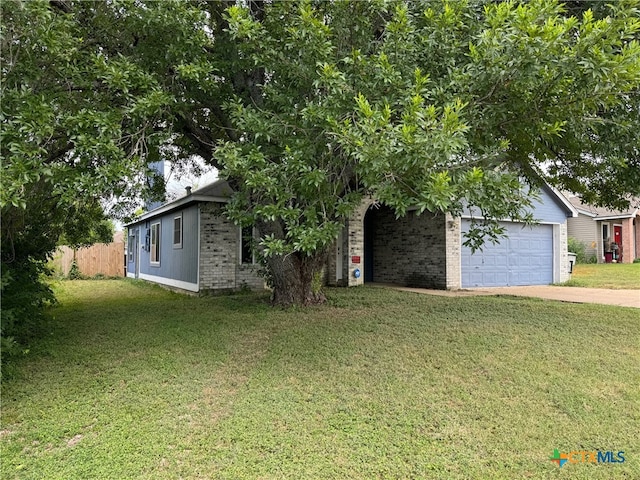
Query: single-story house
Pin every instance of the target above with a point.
(609, 235)
(189, 244)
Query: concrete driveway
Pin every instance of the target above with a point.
(603, 296)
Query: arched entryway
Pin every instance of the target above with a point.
(405, 251)
(369, 234)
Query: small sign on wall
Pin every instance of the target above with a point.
(355, 259)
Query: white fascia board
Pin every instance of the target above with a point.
(616, 217)
(587, 213)
(480, 218)
(181, 202)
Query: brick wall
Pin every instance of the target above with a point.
(247, 277)
(453, 252)
(218, 249)
(354, 246)
(627, 240)
(219, 265)
(419, 250)
(636, 226)
(410, 250)
(564, 253)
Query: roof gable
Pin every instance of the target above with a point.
(601, 213)
(218, 191)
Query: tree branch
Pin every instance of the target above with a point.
(200, 138)
(61, 5)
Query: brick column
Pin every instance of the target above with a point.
(627, 240)
(563, 256)
(218, 249)
(453, 244)
(637, 236)
(355, 245)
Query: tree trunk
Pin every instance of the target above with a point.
(296, 279)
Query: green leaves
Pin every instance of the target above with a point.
(542, 81)
(440, 106)
(406, 161)
(241, 25)
(364, 108)
(77, 117)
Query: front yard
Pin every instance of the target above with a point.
(137, 382)
(606, 275)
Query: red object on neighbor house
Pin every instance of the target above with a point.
(608, 257)
(617, 234)
(355, 259)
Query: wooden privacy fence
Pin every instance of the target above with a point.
(102, 258)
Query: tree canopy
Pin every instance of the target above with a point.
(430, 104)
(307, 108)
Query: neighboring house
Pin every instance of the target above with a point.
(189, 244)
(610, 235)
(427, 250)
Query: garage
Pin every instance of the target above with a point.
(425, 250)
(524, 257)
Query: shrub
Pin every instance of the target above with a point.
(591, 259)
(576, 246)
(24, 294)
(74, 272)
(579, 248)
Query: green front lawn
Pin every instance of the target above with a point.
(133, 382)
(606, 275)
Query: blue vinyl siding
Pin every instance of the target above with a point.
(175, 263)
(547, 209)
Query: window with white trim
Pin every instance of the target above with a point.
(155, 244)
(177, 231)
(131, 246)
(606, 240)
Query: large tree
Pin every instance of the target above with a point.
(77, 123)
(309, 107)
(427, 104)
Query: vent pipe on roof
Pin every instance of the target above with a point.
(188, 189)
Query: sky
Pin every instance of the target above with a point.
(197, 175)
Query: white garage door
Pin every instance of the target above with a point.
(525, 257)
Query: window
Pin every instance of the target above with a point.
(246, 245)
(177, 232)
(155, 244)
(131, 246)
